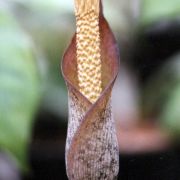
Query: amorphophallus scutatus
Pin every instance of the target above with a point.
(90, 66)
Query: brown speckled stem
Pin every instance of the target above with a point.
(91, 146)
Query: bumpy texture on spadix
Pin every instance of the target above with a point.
(88, 48)
(91, 145)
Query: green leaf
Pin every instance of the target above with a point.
(19, 88)
(171, 114)
(153, 10)
(51, 29)
(162, 96)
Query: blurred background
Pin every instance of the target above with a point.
(33, 97)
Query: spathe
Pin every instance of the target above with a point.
(91, 148)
